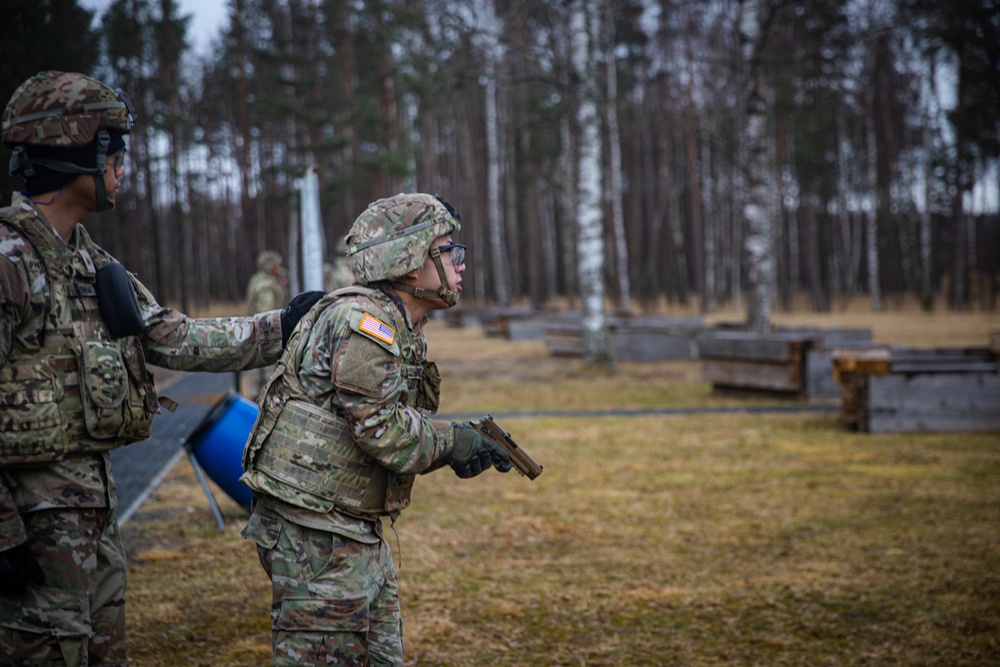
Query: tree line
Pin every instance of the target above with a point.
(824, 147)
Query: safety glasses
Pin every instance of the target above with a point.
(119, 159)
(457, 251)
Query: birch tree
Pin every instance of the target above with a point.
(584, 28)
(758, 240)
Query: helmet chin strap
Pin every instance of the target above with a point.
(104, 203)
(445, 293)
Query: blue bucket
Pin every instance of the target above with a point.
(217, 443)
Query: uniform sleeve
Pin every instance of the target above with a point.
(361, 378)
(14, 298)
(174, 340)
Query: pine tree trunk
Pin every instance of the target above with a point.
(493, 158)
(615, 150)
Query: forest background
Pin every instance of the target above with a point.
(872, 167)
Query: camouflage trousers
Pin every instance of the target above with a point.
(77, 617)
(335, 600)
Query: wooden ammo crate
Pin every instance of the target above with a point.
(907, 390)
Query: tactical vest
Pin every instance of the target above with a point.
(80, 392)
(306, 456)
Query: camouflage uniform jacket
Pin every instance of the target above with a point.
(170, 339)
(265, 292)
(377, 378)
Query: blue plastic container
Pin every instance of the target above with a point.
(217, 443)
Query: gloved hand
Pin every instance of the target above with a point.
(16, 566)
(473, 453)
(297, 307)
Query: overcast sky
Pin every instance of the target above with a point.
(209, 18)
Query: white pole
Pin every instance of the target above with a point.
(312, 232)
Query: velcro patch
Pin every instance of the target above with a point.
(377, 329)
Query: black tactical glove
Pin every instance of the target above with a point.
(16, 565)
(296, 308)
(474, 454)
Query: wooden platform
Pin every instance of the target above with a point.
(792, 362)
(640, 338)
(521, 320)
(909, 390)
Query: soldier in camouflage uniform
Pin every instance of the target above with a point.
(345, 427)
(266, 290)
(268, 286)
(338, 274)
(76, 333)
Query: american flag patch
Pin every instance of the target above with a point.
(376, 328)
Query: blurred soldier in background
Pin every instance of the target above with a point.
(267, 289)
(76, 333)
(338, 274)
(344, 429)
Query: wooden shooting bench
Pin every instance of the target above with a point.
(794, 363)
(638, 338)
(894, 389)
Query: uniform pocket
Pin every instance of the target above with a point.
(104, 384)
(323, 631)
(31, 414)
(140, 404)
(264, 531)
(47, 611)
(323, 615)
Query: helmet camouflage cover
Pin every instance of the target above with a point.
(268, 260)
(393, 236)
(64, 109)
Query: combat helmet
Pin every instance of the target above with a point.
(268, 260)
(395, 235)
(53, 114)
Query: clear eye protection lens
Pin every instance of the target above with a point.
(457, 251)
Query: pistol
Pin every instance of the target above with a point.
(519, 458)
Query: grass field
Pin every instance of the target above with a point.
(733, 539)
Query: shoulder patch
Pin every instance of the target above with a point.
(375, 328)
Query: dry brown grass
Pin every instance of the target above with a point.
(739, 539)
